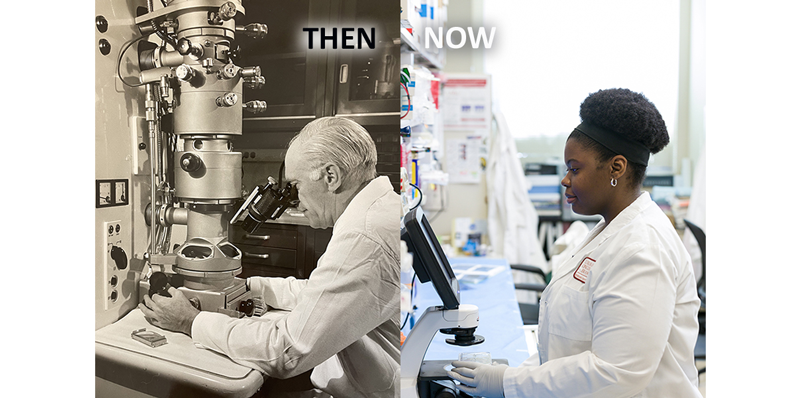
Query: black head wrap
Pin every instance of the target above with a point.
(632, 150)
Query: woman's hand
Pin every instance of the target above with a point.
(483, 379)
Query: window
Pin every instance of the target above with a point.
(549, 55)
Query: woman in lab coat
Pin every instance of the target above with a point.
(619, 319)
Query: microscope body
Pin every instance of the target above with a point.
(464, 318)
(194, 109)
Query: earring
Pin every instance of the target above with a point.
(613, 182)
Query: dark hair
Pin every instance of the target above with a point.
(629, 114)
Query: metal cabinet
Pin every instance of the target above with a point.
(292, 72)
(303, 84)
(367, 81)
(280, 250)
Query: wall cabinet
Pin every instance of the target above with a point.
(367, 81)
(293, 73)
(303, 83)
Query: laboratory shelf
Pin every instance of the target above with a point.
(421, 55)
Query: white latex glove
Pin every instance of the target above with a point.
(483, 379)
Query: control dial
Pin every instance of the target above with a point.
(185, 73)
(119, 256)
(190, 162)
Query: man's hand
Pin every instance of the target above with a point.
(173, 313)
(479, 378)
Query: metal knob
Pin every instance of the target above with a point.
(102, 24)
(226, 100)
(185, 73)
(185, 47)
(158, 284)
(226, 12)
(228, 71)
(255, 106)
(254, 82)
(207, 64)
(194, 301)
(251, 71)
(255, 30)
(190, 162)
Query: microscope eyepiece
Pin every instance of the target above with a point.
(268, 203)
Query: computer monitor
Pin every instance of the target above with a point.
(430, 262)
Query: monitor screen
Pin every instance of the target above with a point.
(430, 262)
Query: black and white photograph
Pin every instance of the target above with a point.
(248, 199)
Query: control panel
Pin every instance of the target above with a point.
(116, 261)
(112, 193)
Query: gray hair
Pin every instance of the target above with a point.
(342, 142)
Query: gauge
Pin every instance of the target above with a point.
(121, 192)
(103, 193)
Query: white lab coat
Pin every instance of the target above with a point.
(342, 321)
(566, 244)
(630, 328)
(513, 221)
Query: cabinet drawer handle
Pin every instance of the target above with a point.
(343, 73)
(258, 237)
(262, 256)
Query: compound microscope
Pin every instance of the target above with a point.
(420, 378)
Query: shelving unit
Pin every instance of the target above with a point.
(420, 124)
(421, 55)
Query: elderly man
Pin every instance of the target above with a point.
(343, 320)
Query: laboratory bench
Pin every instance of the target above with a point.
(486, 283)
(129, 368)
(125, 367)
(500, 321)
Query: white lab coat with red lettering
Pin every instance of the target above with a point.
(620, 318)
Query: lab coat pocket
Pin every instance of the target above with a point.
(570, 315)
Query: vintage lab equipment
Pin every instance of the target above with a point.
(196, 175)
(264, 203)
(460, 320)
(192, 90)
(169, 103)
